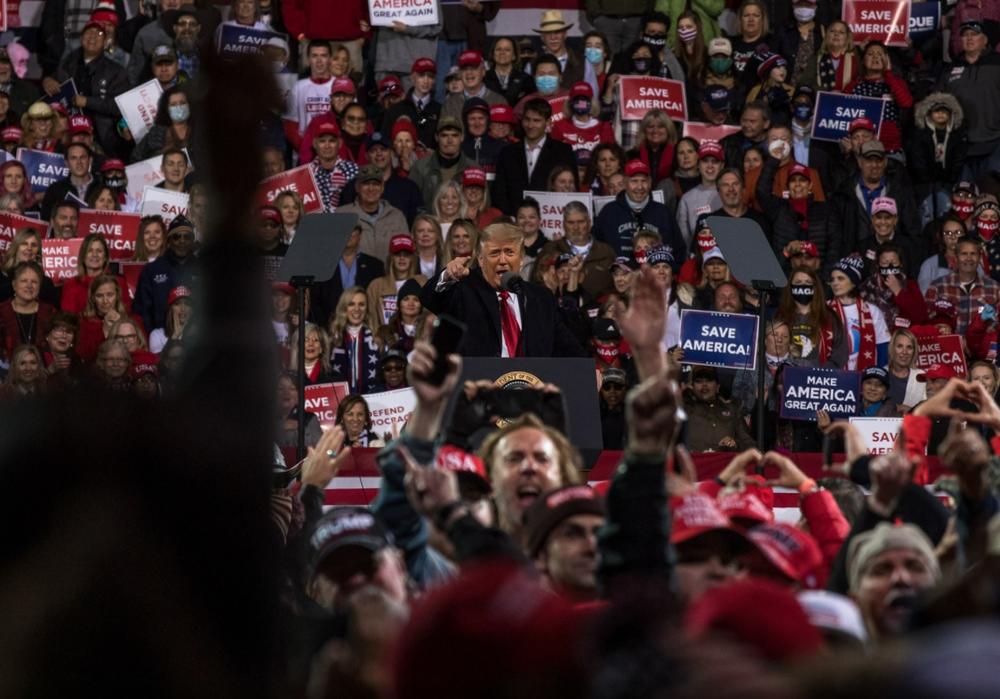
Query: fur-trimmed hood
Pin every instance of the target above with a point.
(923, 109)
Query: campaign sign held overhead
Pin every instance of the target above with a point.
(887, 21)
(235, 40)
(809, 389)
(640, 93)
(835, 112)
(718, 339)
(925, 18)
(43, 168)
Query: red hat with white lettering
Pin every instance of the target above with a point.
(80, 123)
(145, 365)
(809, 248)
(502, 114)
(105, 12)
(390, 85)
(861, 123)
(473, 177)
(269, 213)
(401, 243)
(636, 167)
(695, 514)
(178, 292)
(745, 508)
(466, 465)
(711, 149)
(937, 371)
(582, 89)
(424, 65)
(327, 128)
(470, 59)
(799, 170)
(112, 164)
(343, 86)
(11, 134)
(793, 552)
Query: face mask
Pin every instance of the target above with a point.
(803, 112)
(547, 84)
(581, 107)
(720, 65)
(804, 14)
(962, 208)
(278, 66)
(116, 182)
(641, 65)
(593, 55)
(687, 35)
(606, 352)
(803, 293)
(891, 271)
(179, 112)
(779, 149)
(654, 40)
(987, 228)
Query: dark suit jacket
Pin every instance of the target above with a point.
(326, 294)
(574, 69)
(475, 303)
(512, 172)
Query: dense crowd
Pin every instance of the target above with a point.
(486, 566)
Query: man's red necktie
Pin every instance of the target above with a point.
(508, 326)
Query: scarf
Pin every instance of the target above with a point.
(801, 209)
(867, 355)
(664, 160)
(940, 146)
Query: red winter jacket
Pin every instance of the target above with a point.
(339, 20)
(76, 291)
(826, 523)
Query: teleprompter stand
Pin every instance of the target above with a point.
(312, 257)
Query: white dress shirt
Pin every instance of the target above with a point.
(531, 153)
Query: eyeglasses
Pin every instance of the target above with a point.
(127, 338)
(951, 234)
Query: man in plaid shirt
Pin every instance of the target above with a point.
(966, 289)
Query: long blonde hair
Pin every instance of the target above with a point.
(467, 226)
(324, 343)
(339, 321)
(463, 208)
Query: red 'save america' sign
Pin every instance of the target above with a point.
(639, 94)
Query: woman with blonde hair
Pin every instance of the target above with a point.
(289, 204)
(354, 347)
(38, 124)
(26, 247)
(462, 240)
(837, 63)
(93, 261)
(429, 243)
(27, 375)
(401, 266)
(449, 203)
(104, 308)
(905, 388)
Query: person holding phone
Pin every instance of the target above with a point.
(512, 319)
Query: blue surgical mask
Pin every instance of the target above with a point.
(179, 112)
(803, 112)
(547, 84)
(594, 55)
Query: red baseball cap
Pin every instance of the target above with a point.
(269, 213)
(809, 248)
(424, 65)
(93, 24)
(144, 366)
(474, 177)
(582, 89)
(861, 123)
(327, 128)
(470, 59)
(112, 164)
(746, 506)
(283, 287)
(401, 243)
(636, 167)
(711, 149)
(390, 84)
(343, 86)
(452, 458)
(936, 371)
(696, 514)
(799, 170)
(80, 123)
(502, 114)
(11, 134)
(178, 292)
(792, 551)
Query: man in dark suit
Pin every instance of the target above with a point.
(519, 323)
(355, 268)
(526, 166)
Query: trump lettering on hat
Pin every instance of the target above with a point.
(474, 177)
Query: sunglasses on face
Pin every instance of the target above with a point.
(182, 236)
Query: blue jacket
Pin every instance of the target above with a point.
(617, 223)
(156, 281)
(409, 530)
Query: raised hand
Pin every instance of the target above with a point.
(651, 414)
(325, 459)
